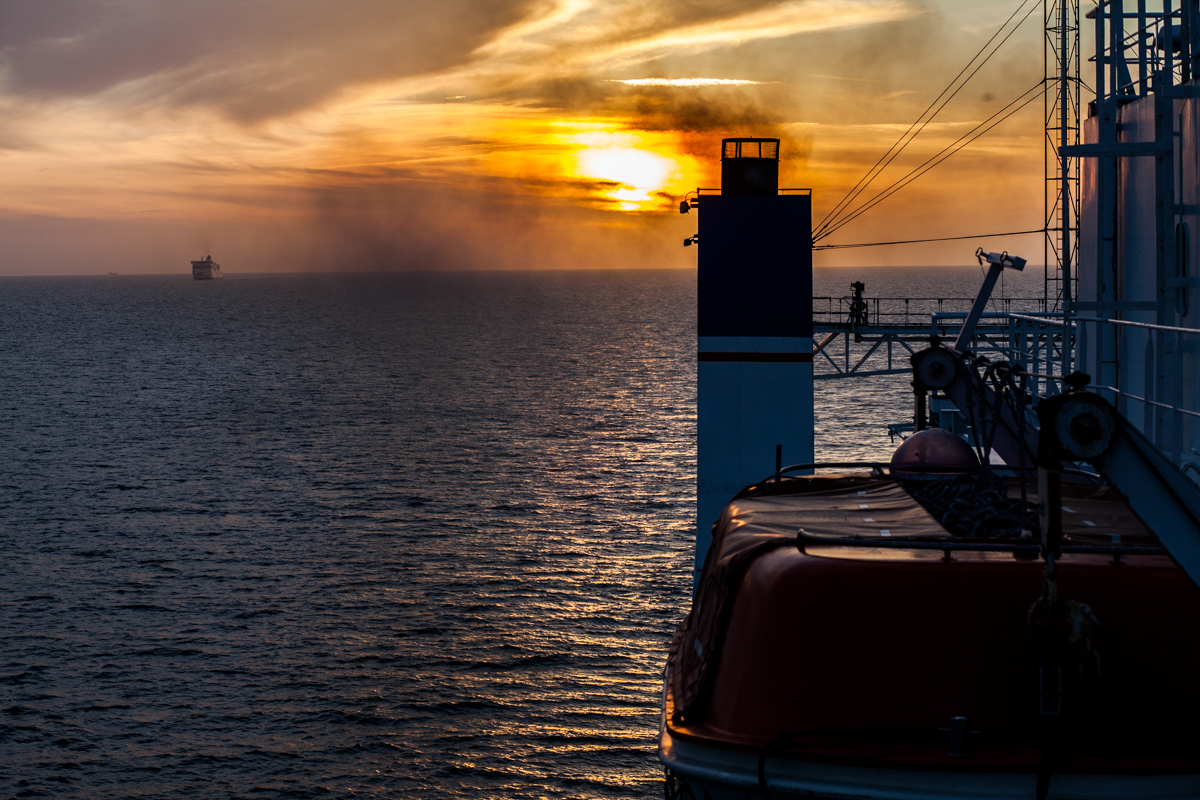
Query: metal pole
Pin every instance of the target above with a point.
(1143, 72)
(1047, 245)
(1064, 184)
(963, 342)
(1169, 51)
(1164, 178)
(1185, 40)
(1116, 44)
(1100, 91)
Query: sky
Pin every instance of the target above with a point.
(307, 135)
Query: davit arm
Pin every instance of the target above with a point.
(1077, 425)
(1082, 426)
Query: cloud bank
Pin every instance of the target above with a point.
(473, 133)
(249, 59)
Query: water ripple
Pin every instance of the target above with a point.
(375, 535)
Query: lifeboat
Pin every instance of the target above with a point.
(898, 632)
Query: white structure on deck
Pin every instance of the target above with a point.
(755, 347)
(1137, 311)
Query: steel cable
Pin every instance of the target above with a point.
(900, 144)
(920, 241)
(1023, 100)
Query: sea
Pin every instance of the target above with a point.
(420, 535)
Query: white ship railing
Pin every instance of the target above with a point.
(1032, 340)
(1035, 342)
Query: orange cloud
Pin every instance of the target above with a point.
(561, 117)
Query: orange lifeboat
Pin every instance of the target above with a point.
(843, 642)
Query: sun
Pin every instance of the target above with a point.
(638, 174)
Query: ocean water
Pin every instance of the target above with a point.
(372, 535)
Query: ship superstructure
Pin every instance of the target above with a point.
(1137, 313)
(942, 625)
(754, 353)
(206, 270)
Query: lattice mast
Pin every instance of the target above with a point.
(1061, 104)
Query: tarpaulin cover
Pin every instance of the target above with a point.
(1098, 515)
(839, 508)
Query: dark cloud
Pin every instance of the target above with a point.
(257, 59)
(251, 59)
(704, 109)
(866, 74)
(855, 66)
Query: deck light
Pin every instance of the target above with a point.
(1000, 259)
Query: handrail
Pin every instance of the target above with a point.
(1131, 324)
(1053, 319)
(717, 190)
(1147, 326)
(876, 467)
(914, 299)
(1145, 400)
(1049, 315)
(948, 546)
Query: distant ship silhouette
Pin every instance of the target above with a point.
(206, 270)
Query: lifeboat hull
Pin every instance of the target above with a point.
(840, 635)
(697, 771)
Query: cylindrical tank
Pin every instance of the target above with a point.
(750, 166)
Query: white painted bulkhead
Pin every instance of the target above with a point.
(744, 409)
(1119, 277)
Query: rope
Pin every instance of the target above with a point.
(974, 506)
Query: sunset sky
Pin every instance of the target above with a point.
(293, 135)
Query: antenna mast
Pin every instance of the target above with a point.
(1061, 103)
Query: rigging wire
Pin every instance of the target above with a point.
(831, 227)
(918, 241)
(900, 143)
(1021, 102)
(970, 136)
(955, 146)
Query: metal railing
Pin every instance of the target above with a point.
(909, 312)
(1162, 413)
(1040, 344)
(1038, 341)
(1159, 408)
(1139, 46)
(1033, 340)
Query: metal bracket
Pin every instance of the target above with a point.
(1085, 426)
(1122, 150)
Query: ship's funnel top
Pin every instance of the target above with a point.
(750, 166)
